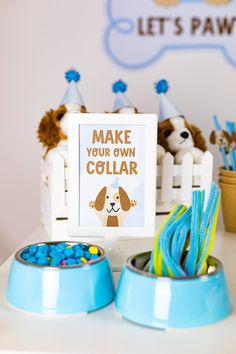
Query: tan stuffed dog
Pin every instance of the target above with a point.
(222, 139)
(53, 127)
(177, 136)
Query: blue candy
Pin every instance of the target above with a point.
(32, 250)
(44, 248)
(79, 253)
(61, 247)
(41, 252)
(87, 255)
(69, 252)
(53, 248)
(59, 253)
(70, 261)
(53, 253)
(43, 261)
(93, 257)
(56, 261)
(32, 259)
(25, 255)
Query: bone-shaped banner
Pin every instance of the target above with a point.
(140, 31)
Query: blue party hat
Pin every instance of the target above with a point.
(167, 108)
(115, 183)
(72, 94)
(120, 87)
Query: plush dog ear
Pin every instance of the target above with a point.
(124, 199)
(59, 113)
(165, 128)
(83, 109)
(212, 137)
(198, 139)
(49, 132)
(100, 200)
(228, 137)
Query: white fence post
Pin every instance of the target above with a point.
(167, 177)
(206, 172)
(186, 178)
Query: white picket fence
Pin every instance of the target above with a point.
(174, 185)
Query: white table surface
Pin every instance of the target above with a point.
(104, 331)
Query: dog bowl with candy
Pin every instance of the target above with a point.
(60, 278)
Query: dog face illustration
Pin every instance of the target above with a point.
(112, 205)
(112, 201)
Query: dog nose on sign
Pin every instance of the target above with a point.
(184, 135)
(112, 204)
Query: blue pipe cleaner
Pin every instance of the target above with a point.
(192, 257)
(182, 238)
(207, 214)
(165, 242)
(170, 249)
(119, 86)
(169, 222)
(180, 235)
(161, 86)
(209, 229)
(72, 75)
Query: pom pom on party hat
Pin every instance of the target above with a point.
(72, 94)
(167, 108)
(121, 101)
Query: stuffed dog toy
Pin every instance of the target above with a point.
(122, 103)
(112, 205)
(177, 136)
(222, 139)
(52, 130)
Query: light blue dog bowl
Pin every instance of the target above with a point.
(163, 302)
(60, 290)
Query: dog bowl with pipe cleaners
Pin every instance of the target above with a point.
(179, 284)
(60, 278)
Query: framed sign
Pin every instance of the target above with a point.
(112, 174)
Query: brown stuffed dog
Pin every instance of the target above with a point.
(53, 127)
(222, 139)
(52, 130)
(177, 136)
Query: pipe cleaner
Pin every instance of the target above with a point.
(185, 239)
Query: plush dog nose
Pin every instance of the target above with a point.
(112, 204)
(184, 135)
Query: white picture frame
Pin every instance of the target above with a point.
(90, 129)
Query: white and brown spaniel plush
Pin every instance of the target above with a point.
(177, 136)
(223, 139)
(112, 206)
(52, 130)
